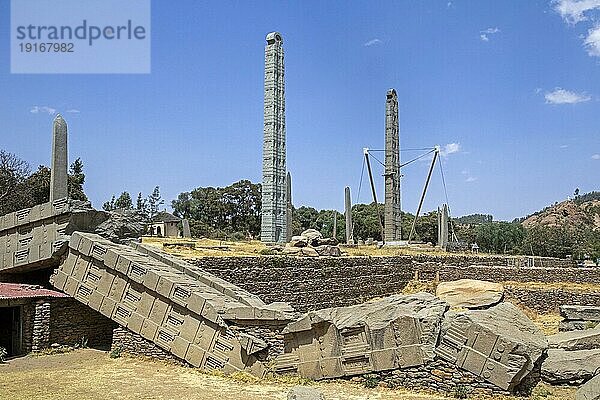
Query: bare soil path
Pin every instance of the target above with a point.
(93, 375)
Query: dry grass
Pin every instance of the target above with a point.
(224, 248)
(92, 375)
(208, 247)
(416, 286)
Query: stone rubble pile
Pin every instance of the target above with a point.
(311, 243)
(579, 317)
(574, 356)
(590, 390)
(499, 344)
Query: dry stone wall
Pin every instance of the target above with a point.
(312, 284)
(72, 322)
(549, 300)
(130, 342)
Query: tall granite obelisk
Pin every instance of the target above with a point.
(392, 217)
(348, 213)
(58, 172)
(274, 203)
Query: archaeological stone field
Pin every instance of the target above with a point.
(71, 274)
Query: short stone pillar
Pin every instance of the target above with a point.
(41, 326)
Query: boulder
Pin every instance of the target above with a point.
(308, 252)
(327, 242)
(470, 293)
(329, 251)
(304, 393)
(398, 331)
(583, 313)
(570, 367)
(576, 340)
(312, 235)
(590, 390)
(499, 344)
(298, 241)
(122, 225)
(292, 251)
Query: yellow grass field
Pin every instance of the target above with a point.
(222, 248)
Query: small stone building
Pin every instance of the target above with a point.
(24, 317)
(32, 318)
(165, 225)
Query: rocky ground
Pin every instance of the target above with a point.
(93, 375)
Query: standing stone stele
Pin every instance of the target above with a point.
(443, 226)
(59, 162)
(392, 217)
(185, 224)
(274, 203)
(348, 214)
(334, 235)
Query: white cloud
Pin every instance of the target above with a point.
(464, 172)
(471, 179)
(564, 146)
(372, 42)
(562, 96)
(450, 148)
(491, 30)
(592, 41)
(596, 157)
(73, 111)
(574, 11)
(42, 109)
(449, 4)
(485, 34)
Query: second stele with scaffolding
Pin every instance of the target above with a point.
(390, 224)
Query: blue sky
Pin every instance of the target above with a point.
(509, 89)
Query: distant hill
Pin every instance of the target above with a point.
(474, 219)
(583, 212)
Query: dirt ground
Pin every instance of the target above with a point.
(93, 375)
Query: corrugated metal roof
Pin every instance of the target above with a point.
(24, 291)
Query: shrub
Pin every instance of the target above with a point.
(371, 381)
(115, 352)
(266, 252)
(461, 392)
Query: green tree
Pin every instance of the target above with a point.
(306, 218)
(182, 206)
(364, 218)
(109, 205)
(141, 204)
(76, 180)
(124, 201)
(13, 174)
(155, 201)
(19, 188)
(231, 211)
(560, 241)
(500, 237)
